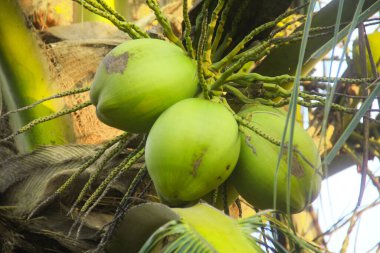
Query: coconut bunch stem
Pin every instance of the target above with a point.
(103, 188)
(125, 204)
(200, 53)
(168, 31)
(121, 141)
(271, 91)
(220, 48)
(187, 29)
(45, 119)
(55, 96)
(100, 8)
(220, 27)
(283, 79)
(210, 32)
(238, 48)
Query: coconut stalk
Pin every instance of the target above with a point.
(24, 80)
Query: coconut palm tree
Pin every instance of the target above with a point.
(64, 190)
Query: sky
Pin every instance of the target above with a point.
(338, 197)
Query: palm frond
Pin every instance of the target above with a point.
(51, 158)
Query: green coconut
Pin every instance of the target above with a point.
(254, 175)
(154, 227)
(138, 80)
(219, 230)
(191, 149)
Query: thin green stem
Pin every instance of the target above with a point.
(122, 167)
(97, 155)
(131, 29)
(283, 79)
(334, 106)
(104, 186)
(95, 4)
(58, 95)
(96, 202)
(272, 103)
(236, 66)
(274, 43)
(239, 47)
(228, 39)
(187, 29)
(238, 94)
(279, 29)
(221, 24)
(125, 204)
(252, 55)
(302, 19)
(277, 89)
(133, 186)
(222, 47)
(254, 77)
(168, 31)
(210, 31)
(200, 50)
(45, 119)
(121, 144)
(110, 10)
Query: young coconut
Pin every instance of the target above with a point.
(254, 175)
(138, 80)
(221, 232)
(191, 149)
(154, 227)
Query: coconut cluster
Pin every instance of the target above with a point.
(194, 145)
